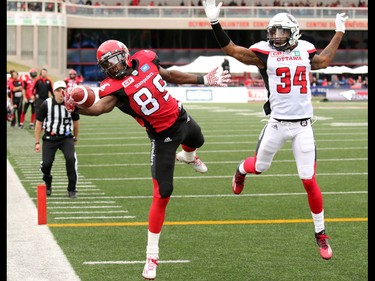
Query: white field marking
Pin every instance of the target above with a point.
(78, 188)
(208, 143)
(54, 182)
(83, 207)
(235, 195)
(86, 190)
(223, 177)
(216, 151)
(82, 202)
(342, 124)
(342, 107)
(237, 111)
(105, 217)
(250, 123)
(206, 162)
(64, 197)
(60, 192)
(251, 132)
(221, 162)
(32, 250)
(89, 212)
(131, 262)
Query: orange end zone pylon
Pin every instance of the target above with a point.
(42, 204)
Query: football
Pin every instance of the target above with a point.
(83, 95)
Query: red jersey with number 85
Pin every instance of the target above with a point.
(143, 94)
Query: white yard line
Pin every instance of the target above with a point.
(32, 252)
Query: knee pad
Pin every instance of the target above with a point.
(306, 172)
(165, 189)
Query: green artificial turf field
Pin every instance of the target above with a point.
(264, 234)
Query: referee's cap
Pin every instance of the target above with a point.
(59, 84)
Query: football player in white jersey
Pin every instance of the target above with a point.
(285, 63)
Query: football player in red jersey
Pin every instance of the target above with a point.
(285, 63)
(30, 97)
(16, 94)
(72, 80)
(137, 86)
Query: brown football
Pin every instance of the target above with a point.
(83, 95)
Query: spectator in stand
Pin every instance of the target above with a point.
(42, 89)
(16, 94)
(72, 80)
(325, 82)
(225, 65)
(29, 97)
(88, 2)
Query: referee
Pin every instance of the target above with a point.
(60, 132)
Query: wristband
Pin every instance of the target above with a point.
(200, 80)
(220, 35)
(37, 143)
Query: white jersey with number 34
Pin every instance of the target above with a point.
(287, 79)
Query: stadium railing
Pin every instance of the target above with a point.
(57, 6)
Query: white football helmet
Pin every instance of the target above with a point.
(283, 32)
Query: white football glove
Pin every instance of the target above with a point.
(215, 79)
(212, 11)
(340, 22)
(69, 102)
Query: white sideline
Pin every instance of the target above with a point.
(32, 252)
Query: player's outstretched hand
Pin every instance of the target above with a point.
(340, 22)
(69, 102)
(215, 79)
(212, 11)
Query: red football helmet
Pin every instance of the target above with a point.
(114, 58)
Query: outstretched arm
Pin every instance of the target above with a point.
(104, 105)
(325, 58)
(240, 53)
(213, 78)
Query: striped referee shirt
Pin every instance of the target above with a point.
(57, 121)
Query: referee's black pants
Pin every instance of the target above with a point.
(49, 149)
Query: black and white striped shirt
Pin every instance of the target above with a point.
(57, 121)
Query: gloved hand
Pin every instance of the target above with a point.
(69, 102)
(340, 22)
(215, 79)
(212, 11)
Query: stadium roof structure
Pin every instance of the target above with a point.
(204, 64)
(343, 69)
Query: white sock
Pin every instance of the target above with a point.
(188, 156)
(318, 221)
(241, 169)
(152, 248)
